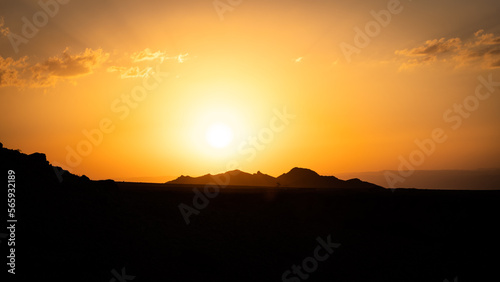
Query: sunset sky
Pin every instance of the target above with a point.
(128, 89)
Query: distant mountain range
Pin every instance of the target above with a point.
(37, 171)
(481, 179)
(296, 178)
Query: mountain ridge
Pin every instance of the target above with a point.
(296, 178)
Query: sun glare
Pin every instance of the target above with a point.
(219, 135)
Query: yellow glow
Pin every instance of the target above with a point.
(219, 135)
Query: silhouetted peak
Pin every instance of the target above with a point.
(184, 177)
(302, 172)
(38, 157)
(41, 173)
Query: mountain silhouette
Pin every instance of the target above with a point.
(35, 172)
(234, 177)
(39, 172)
(295, 178)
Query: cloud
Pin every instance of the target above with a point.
(53, 69)
(3, 30)
(482, 50)
(429, 52)
(433, 47)
(415, 62)
(148, 55)
(11, 71)
(486, 38)
(135, 68)
(130, 72)
(181, 58)
(21, 73)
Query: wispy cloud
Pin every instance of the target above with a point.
(482, 50)
(134, 67)
(3, 29)
(298, 60)
(181, 58)
(130, 72)
(433, 47)
(148, 55)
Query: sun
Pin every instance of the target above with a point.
(219, 135)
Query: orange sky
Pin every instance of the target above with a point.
(332, 86)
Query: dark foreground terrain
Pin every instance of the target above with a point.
(256, 235)
(81, 230)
